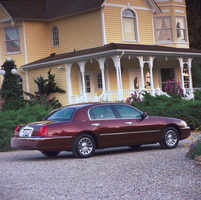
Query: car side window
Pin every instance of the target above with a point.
(102, 112)
(127, 112)
(64, 114)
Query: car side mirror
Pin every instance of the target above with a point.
(144, 115)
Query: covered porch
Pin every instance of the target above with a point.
(114, 71)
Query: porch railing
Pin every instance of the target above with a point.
(113, 95)
(77, 99)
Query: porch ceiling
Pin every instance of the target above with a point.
(113, 49)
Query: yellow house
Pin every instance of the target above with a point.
(98, 49)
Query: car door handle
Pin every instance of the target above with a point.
(128, 123)
(96, 124)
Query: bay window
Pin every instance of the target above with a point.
(163, 27)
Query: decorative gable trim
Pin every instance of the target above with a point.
(9, 18)
(153, 6)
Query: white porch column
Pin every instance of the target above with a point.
(151, 59)
(181, 63)
(140, 58)
(82, 70)
(117, 65)
(101, 62)
(190, 76)
(68, 82)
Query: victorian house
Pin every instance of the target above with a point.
(99, 50)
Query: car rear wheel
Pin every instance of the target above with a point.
(83, 146)
(50, 153)
(170, 138)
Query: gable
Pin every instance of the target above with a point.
(4, 16)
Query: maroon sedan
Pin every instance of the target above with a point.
(86, 127)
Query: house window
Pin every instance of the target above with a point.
(148, 79)
(99, 81)
(55, 36)
(167, 74)
(181, 29)
(12, 40)
(186, 77)
(87, 84)
(37, 79)
(163, 27)
(20, 83)
(129, 25)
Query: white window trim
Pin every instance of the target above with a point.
(164, 41)
(52, 38)
(99, 73)
(5, 45)
(137, 27)
(186, 31)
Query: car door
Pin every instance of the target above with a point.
(106, 126)
(136, 129)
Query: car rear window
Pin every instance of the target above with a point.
(64, 114)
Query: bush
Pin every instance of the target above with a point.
(197, 95)
(194, 145)
(10, 119)
(176, 107)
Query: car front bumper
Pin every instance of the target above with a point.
(185, 132)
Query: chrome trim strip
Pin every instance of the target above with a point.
(31, 138)
(126, 133)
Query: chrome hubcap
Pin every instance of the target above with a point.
(85, 146)
(171, 138)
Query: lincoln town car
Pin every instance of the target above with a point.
(83, 128)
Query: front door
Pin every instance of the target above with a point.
(167, 74)
(89, 86)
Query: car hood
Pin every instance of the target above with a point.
(166, 120)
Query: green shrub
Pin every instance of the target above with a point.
(175, 107)
(194, 145)
(10, 119)
(197, 95)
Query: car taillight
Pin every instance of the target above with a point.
(42, 131)
(17, 130)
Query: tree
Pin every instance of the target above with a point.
(45, 88)
(193, 9)
(11, 92)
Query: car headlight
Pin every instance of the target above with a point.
(183, 123)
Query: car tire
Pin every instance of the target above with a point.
(135, 146)
(170, 138)
(50, 153)
(83, 146)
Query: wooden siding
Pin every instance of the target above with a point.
(131, 2)
(113, 23)
(78, 32)
(37, 40)
(60, 79)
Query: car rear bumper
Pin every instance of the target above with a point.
(51, 143)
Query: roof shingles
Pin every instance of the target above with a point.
(47, 9)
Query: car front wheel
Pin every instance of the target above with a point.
(50, 153)
(170, 138)
(83, 146)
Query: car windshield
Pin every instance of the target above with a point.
(63, 114)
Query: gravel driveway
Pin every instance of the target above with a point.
(150, 173)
